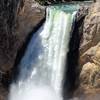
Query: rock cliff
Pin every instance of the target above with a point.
(27, 16)
(90, 52)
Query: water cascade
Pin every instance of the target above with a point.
(42, 67)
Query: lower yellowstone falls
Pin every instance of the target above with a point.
(43, 64)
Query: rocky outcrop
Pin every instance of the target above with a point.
(91, 28)
(31, 14)
(90, 74)
(90, 51)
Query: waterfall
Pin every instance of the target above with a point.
(42, 67)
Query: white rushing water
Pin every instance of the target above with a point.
(42, 67)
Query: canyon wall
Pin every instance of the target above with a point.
(90, 55)
(28, 16)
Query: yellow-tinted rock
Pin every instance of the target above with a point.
(89, 73)
(90, 62)
(91, 30)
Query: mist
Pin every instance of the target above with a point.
(32, 92)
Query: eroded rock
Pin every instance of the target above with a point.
(89, 73)
(90, 53)
(91, 30)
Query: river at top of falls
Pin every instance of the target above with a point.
(42, 67)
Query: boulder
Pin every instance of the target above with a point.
(90, 75)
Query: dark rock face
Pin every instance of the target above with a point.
(48, 2)
(15, 24)
(3, 93)
(8, 38)
(17, 19)
(86, 71)
(71, 79)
